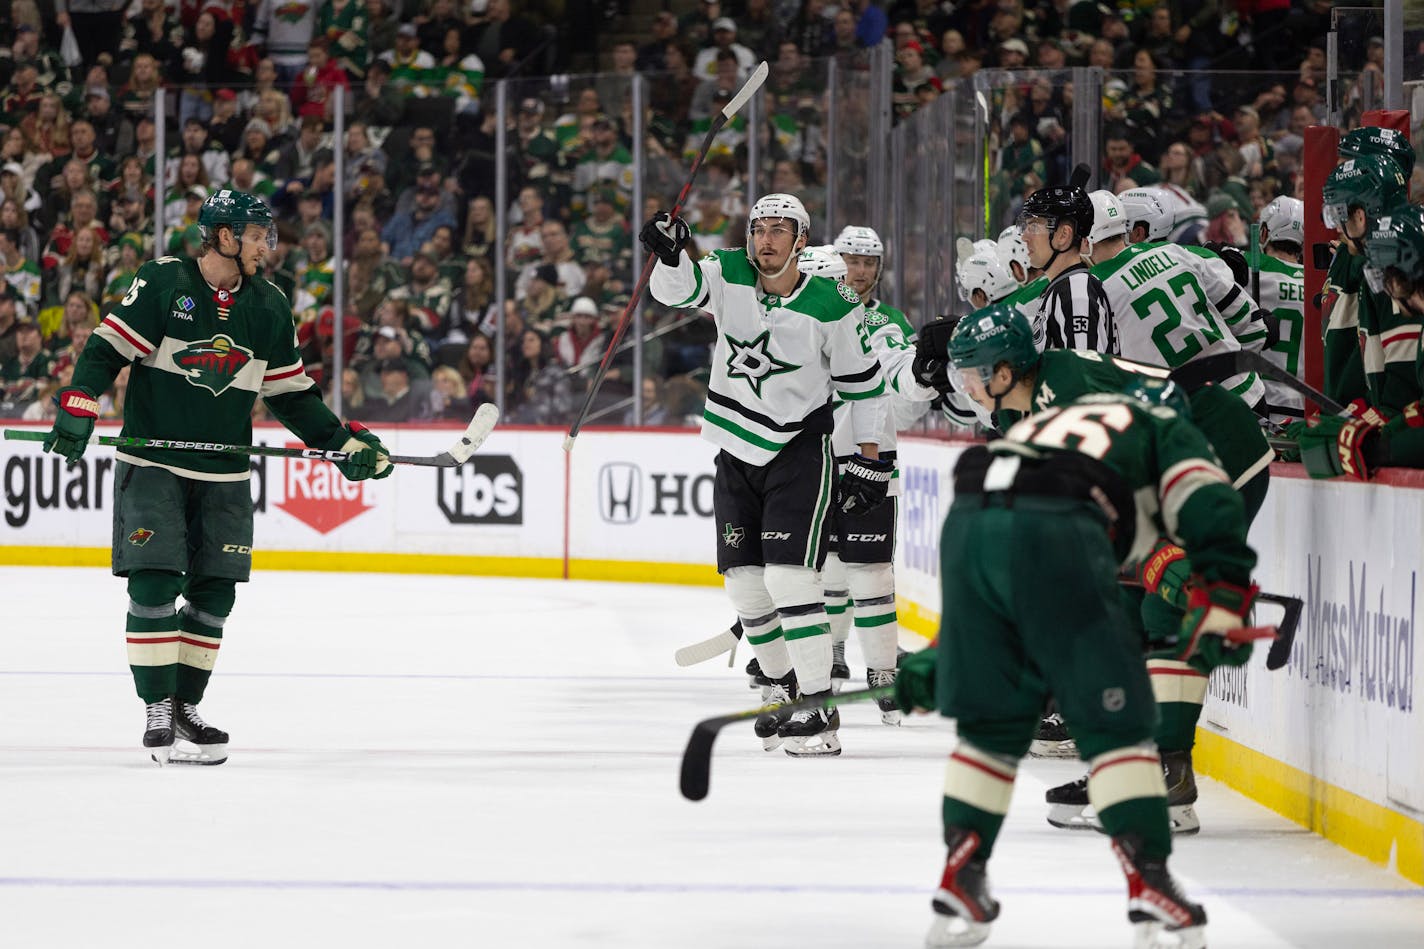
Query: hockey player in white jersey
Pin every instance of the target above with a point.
(1280, 290)
(1161, 309)
(787, 345)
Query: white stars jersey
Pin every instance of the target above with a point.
(777, 359)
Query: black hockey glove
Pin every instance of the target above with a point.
(1240, 270)
(1272, 324)
(931, 365)
(864, 484)
(665, 236)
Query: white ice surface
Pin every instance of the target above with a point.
(439, 761)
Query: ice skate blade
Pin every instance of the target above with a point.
(1053, 749)
(947, 931)
(1183, 818)
(160, 755)
(188, 753)
(837, 685)
(771, 743)
(1154, 935)
(1073, 817)
(893, 717)
(824, 745)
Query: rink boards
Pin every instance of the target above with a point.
(1332, 741)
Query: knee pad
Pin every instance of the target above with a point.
(747, 590)
(792, 586)
(833, 576)
(870, 581)
(211, 595)
(154, 589)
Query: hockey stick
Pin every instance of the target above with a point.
(749, 88)
(709, 648)
(457, 454)
(1285, 629)
(1225, 365)
(697, 756)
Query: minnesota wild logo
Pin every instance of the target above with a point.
(140, 537)
(212, 363)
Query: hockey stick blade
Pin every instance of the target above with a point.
(1250, 634)
(749, 88)
(708, 648)
(697, 756)
(1293, 606)
(486, 417)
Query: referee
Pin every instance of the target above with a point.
(1074, 308)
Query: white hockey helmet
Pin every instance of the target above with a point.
(786, 206)
(964, 250)
(861, 241)
(1013, 250)
(1283, 220)
(822, 261)
(987, 272)
(1109, 220)
(1145, 206)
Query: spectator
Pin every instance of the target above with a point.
(296, 161)
(78, 313)
(1181, 169)
(283, 30)
(427, 175)
(16, 223)
(120, 277)
(1306, 95)
(1123, 164)
(343, 24)
(558, 255)
(759, 30)
(353, 394)
(810, 31)
(1224, 222)
(910, 73)
(723, 85)
(316, 273)
(654, 411)
(472, 309)
(615, 86)
(672, 95)
(22, 374)
(378, 102)
(476, 362)
(449, 401)
(539, 391)
(464, 73)
(696, 26)
(650, 56)
(75, 178)
(406, 232)
(581, 347)
(724, 37)
(152, 31)
(385, 343)
(426, 294)
(481, 237)
(1013, 54)
(951, 53)
(524, 243)
(872, 24)
(603, 235)
(380, 29)
(246, 177)
(226, 126)
(313, 92)
(264, 79)
(393, 400)
(605, 163)
(191, 178)
(195, 141)
(81, 268)
(412, 68)
(370, 275)
(202, 63)
(500, 39)
(541, 304)
(1258, 157)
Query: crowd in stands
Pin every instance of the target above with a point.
(250, 89)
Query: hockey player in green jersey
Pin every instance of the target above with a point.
(1042, 523)
(1280, 280)
(203, 338)
(1355, 195)
(788, 344)
(1036, 381)
(1355, 447)
(1160, 306)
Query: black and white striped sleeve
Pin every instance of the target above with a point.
(1077, 314)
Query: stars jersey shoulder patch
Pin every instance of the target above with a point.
(847, 294)
(876, 318)
(753, 361)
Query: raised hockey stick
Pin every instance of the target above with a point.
(697, 756)
(749, 88)
(1225, 365)
(709, 648)
(457, 454)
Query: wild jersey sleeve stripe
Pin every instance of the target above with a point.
(1179, 482)
(124, 338)
(285, 379)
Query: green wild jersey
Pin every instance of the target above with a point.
(777, 359)
(1389, 345)
(1228, 423)
(1164, 315)
(1178, 485)
(197, 364)
(1282, 293)
(1344, 367)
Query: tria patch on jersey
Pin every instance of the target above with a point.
(140, 537)
(847, 294)
(754, 362)
(212, 363)
(186, 304)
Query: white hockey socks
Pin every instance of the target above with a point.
(837, 597)
(872, 587)
(761, 626)
(797, 595)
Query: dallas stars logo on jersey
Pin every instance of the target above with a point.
(754, 362)
(212, 363)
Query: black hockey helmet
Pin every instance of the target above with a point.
(1062, 205)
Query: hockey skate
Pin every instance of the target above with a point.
(963, 908)
(755, 680)
(196, 742)
(1052, 739)
(1068, 805)
(811, 733)
(840, 671)
(158, 730)
(889, 712)
(768, 724)
(1161, 916)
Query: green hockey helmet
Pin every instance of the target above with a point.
(1394, 251)
(990, 336)
(1372, 140)
(235, 209)
(1371, 182)
(1159, 392)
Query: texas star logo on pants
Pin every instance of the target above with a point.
(732, 536)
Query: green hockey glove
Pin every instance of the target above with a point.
(73, 423)
(915, 682)
(369, 458)
(1213, 610)
(1336, 446)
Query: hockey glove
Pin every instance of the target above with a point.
(368, 456)
(665, 236)
(73, 423)
(931, 365)
(864, 485)
(1337, 446)
(915, 682)
(1240, 270)
(1213, 610)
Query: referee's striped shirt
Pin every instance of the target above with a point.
(1076, 313)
